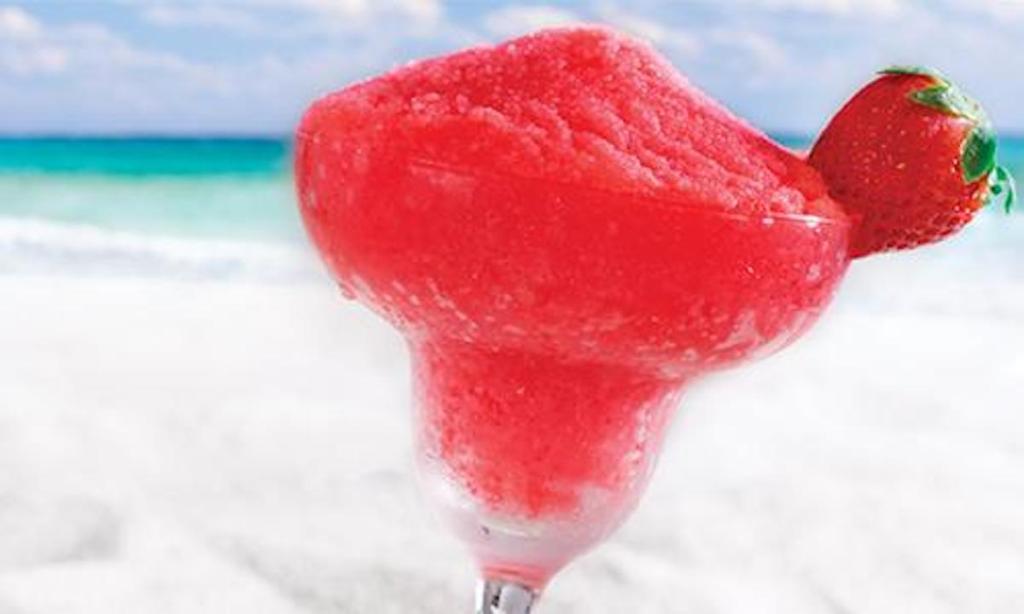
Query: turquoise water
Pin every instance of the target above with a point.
(145, 157)
(234, 188)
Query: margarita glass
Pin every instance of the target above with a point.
(553, 328)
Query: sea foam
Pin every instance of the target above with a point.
(43, 247)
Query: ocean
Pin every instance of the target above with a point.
(212, 207)
(181, 187)
(226, 188)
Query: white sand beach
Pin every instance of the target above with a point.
(180, 441)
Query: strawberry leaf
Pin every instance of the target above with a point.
(947, 98)
(912, 71)
(978, 157)
(1004, 187)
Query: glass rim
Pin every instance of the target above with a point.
(773, 216)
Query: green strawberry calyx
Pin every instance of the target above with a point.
(978, 154)
(1002, 186)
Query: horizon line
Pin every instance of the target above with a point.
(145, 135)
(287, 136)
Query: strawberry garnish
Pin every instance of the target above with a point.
(912, 159)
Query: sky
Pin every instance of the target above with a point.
(251, 66)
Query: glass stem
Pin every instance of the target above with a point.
(503, 597)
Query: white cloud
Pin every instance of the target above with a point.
(785, 64)
(762, 51)
(291, 18)
(421, 9)
(514, 20)
(120, 85)
(885, 8)
(37, 60)
(24, 48)
(424, 12)
(18, 24)
(202, 15)
(89, 54)
(350, 8)
(792, 74)
(676, 41)
(997, 9)
(375, 23)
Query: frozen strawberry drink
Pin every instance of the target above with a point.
(567, 233)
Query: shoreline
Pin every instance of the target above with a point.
(246, 445)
